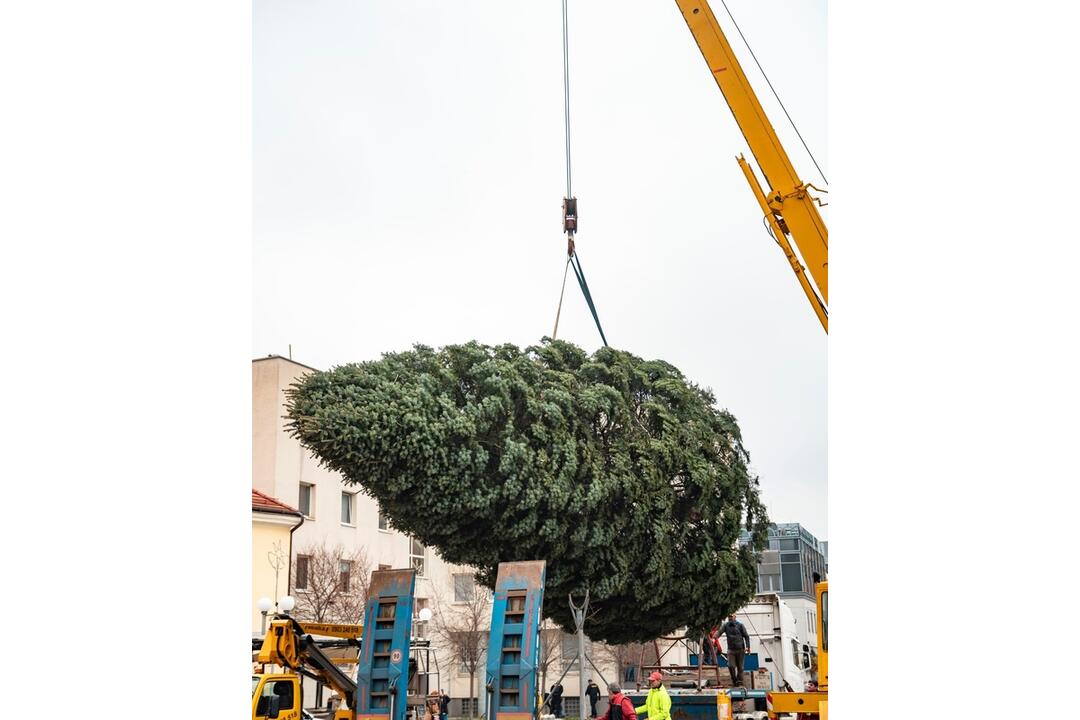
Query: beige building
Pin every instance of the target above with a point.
(337, 515)
(272, 526)
(334, 514)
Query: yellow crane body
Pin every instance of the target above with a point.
(288, 644)
(810, 702)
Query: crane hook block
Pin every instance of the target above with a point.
(569, 207)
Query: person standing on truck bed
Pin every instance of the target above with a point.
(738, 643)
(710, 646)
(657, 702)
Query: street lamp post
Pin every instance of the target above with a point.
(423, 617)
(264, 604)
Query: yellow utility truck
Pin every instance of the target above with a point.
(290, 645)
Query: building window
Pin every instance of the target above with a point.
(345, 568)
(470, 706)
(769, 582)
(769, 571)
(416, 556)
(418, 605)
(468, 642)
(464, 585)
(307, 494)
(384, 524)
(791, 577)
(303, 563)
(570, 660)
(570, 706)
(347, 502)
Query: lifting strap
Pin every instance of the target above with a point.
(576, 263)
(570, 212)
(566, 270)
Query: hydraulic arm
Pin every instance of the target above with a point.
(786, 201)
(287, 644)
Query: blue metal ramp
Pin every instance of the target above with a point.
(383, 670)
(514, 641)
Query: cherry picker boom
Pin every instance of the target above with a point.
(289, 644)
(380, 690)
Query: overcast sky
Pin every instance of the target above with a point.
(410, 168)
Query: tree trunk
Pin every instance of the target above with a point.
(472, 695)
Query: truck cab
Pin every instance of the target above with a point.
(275, 697)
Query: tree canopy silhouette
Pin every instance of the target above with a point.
(619, 472)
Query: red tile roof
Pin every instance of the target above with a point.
(265, 503)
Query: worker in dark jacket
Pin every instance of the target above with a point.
(738, 644)
(619, 706)
(556, 700)
(593, 693)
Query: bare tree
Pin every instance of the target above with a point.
(278, 558)
(551, 643)
(463, 628)
(622, 657)
(331, 583)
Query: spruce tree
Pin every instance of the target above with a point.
(619, 472)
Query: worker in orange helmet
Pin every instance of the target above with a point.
(657, 702)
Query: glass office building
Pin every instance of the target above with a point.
(788, 565)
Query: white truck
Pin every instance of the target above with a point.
(783, 645)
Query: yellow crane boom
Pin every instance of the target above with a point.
(792, 215)
(786, 202)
